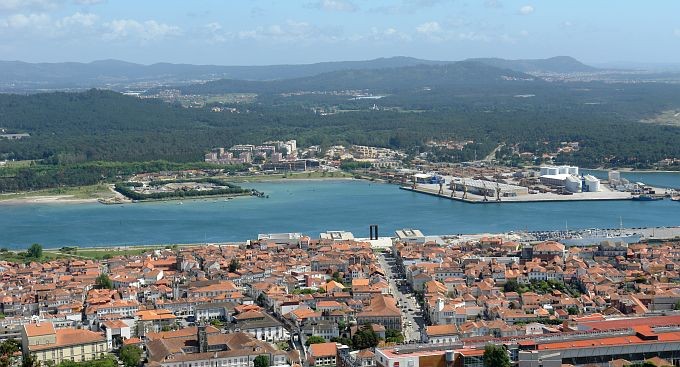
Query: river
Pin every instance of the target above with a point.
(309, 207)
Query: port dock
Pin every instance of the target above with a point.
(447, 193)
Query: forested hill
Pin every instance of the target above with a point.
(558, 64)
(118, 74)
(17, 76)
(103, 125)
(388, 80)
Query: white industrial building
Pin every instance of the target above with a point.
(570, 183)
(559, 170)
(590, 184)
(568, 177)
(486, 188)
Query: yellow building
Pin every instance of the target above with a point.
(49, 344)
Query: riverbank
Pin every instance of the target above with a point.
(105, 193)
(62, 195)
(587, 237)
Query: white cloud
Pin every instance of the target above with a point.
(290, 31)
(429, 28)
(677, 32)
(88, 2)
(471, 36)
(526, 10)
(335, 5)
(377, 34)
(31, 21)
(16, 5)
(524, 33)
(408, 6)
(150, 30)
(43, 26)
(496, 4)
(78, 19)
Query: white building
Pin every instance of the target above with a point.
(591, 184)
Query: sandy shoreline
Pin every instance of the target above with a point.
(70, 199)
(46, 199)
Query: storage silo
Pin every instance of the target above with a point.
(573, 170)
(544, 170)
(572, 184)
(563, 170)
(552, 171)
(592, 183)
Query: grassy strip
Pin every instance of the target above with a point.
(81, 192)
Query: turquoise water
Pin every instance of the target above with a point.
(309, 207)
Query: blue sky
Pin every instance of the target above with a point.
(257, 32)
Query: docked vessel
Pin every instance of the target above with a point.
(646, 198)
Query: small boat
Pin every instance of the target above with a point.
(675, 198)
(180, 203)
(645, 198)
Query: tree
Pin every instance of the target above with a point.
(365, 338)
(336, 277)
(676, 306)
(511, 286)
(103, 282)
(7, 350)
(29, 360)
(261, 300)
(234, 265)
(35, 251)
(394, 336)
(261, 361)
(496, 356)
(130, 355)
(314, 339)
(572, 310)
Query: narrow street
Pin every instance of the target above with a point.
(412, 316)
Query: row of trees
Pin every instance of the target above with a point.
(134, 195)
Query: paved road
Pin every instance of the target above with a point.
(411, 313)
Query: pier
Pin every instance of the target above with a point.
(447, 193)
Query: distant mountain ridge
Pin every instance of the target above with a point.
(118, 75)
(461, 73)
(557, 64)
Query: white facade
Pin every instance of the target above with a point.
(572, 184)
(591, 184)
(614, 176)
(559, 170)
